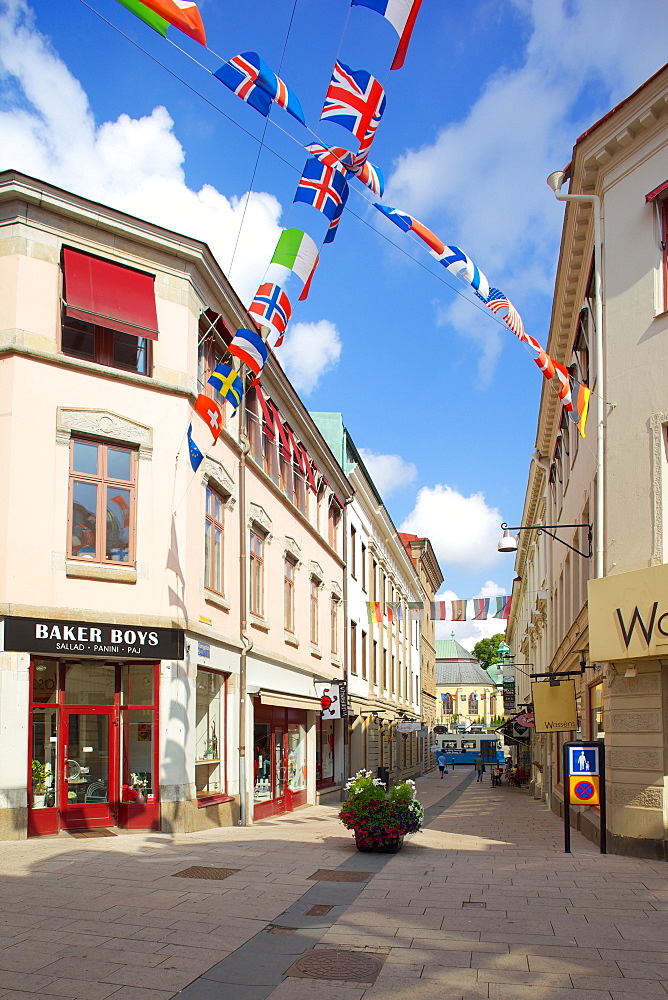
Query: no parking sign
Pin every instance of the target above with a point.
(584, 766)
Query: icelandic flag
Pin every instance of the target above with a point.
(323, 186)
(402, 15)
(249, 347)
(228, 383)
(210, 413)
(251, 79)
(353, 99)
(196, 456)
(271, 307)
(407, 223)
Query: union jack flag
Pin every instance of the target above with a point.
(323, 184)
(336, 218)
(353, 99)
(271, 307)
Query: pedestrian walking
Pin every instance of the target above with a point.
(441, 761)
(479, 766)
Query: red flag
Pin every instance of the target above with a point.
(210, 413)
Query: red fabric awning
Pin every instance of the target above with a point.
(110, 295)
(657, 192)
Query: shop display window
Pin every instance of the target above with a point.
(44, 761)
(90, 686)
(324, 753)
(209, 733)
(296, 746)
(137, 740)
(263, 790)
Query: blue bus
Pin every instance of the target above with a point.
(465, 747)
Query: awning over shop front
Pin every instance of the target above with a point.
(281, 700)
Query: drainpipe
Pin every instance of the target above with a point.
(555, 181)
(247, 642)
(346, 631)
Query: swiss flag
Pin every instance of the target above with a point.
(210, 413)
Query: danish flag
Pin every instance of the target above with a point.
(354, 99)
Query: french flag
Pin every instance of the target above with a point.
(402, 15)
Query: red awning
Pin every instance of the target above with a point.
(657, 192)
(110, 295)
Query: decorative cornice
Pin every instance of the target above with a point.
(215, 472)
(103, 424)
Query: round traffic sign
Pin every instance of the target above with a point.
(584, 790)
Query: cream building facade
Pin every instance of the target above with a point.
(602, 618)
(163, 630)
(465, 693)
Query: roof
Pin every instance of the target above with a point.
(450, 649)
(456, 674)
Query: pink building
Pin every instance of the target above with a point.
(163, 630)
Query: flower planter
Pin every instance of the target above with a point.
(379, 845)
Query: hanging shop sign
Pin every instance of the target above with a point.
(554, 707)
(333, 700)
(628, 615)
(508, 694)
(408, 727)
(75, 638)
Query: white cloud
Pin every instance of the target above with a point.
(309, 350)
(48, 130)
(389, 472)
(477, 326)
(481, 183)
(463, 531)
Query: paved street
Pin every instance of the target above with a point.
(481, 903)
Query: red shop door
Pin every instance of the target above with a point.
(88, 768)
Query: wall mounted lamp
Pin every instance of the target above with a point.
(508, 542)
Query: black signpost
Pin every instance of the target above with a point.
(584, 784)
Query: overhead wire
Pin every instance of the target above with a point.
(362, 193)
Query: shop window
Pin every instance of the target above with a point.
(334, 605)
(44, 763)
(313, 611)
(256, 574)
(209, 733)
(289, 595)
(214, 537)
(596, 722)
(262, 783)
(84, 686)
(137, 684)
(137, 736)
(324, 753)
(102, 502)
(296, 757)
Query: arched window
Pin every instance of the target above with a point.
(473, 704)
(448, 703)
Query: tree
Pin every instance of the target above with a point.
(487, 650)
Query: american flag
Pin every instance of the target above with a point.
(353, 99)
(496, 301)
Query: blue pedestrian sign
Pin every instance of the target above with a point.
(583, 761)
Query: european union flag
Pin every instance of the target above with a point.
(228, 383)
(196, 456)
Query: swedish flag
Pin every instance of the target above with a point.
(228, 383)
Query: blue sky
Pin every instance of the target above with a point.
(440, 398)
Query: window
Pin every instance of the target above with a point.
(324, 753)
(109, 314)
(374, 580)
(596, 724)
(663, 212)
(213, 541)
(374, 663)
(353, 647)
(289, 595)
(448, 703)
(384, 669)
(363, 560)
(392, 675)
(254, 427)
(334, 624)
(334, 518)
(364, 666)
(209, 733)
(102, 502)
(300, 492)
(320, 500)
(581, 347)
(353, 552)
(473, 704)
(256, 574)
(313, 608)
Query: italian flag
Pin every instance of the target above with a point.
(296, 251)
(159, 14)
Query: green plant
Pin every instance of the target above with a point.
(377, 813)
(38, 777)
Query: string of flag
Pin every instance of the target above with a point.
(468, 609)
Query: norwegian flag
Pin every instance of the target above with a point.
(210, 413)
(271, 307)
(323, 184)
(353, 100)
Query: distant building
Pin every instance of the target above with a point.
(465, 693)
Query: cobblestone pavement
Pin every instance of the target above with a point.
(482, 903)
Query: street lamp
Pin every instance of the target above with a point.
(508, 542)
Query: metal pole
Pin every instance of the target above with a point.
(243, 616)
(602, 807)
(567, 800)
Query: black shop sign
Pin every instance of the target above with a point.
(74, 638)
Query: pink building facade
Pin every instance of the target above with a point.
(162, 630)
